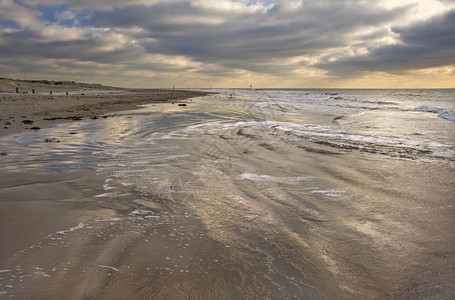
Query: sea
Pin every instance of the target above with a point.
(258, 194)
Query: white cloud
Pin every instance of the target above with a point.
(23, 16)
(66, 15)
(422, 9)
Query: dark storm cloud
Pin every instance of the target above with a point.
(435, 33)
(245, 39)
(426, 44)
(158, 17)
(31, 44)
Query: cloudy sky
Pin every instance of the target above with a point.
(231, 43)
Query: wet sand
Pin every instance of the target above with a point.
(35, 202)
(140, 207)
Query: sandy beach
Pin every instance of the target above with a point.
(227, 150)
(34, 203)
(275, 194)
(39, 105)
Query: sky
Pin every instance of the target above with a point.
(231, 43)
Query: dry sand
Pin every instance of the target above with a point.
(26, 110)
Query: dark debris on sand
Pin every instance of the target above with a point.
(52, 140)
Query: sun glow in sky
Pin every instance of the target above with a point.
(231, 43)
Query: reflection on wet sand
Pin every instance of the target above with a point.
(234, 203)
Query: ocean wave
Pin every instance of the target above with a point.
(425, 108)
(318, 138)
(330, 140)
(339, 98)
(442, 113)
(448, 115)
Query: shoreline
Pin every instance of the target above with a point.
(42, 109)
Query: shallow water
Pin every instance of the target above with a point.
(267, 194)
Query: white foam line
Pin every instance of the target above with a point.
(107, 188)
(331, 193)
(141, 212)
(109, 267)
(105, 195)
(256, 177)
(201, 173)
(42, 274)
(251, 217)
(80, 226)
(108, 220)
(110, 195)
